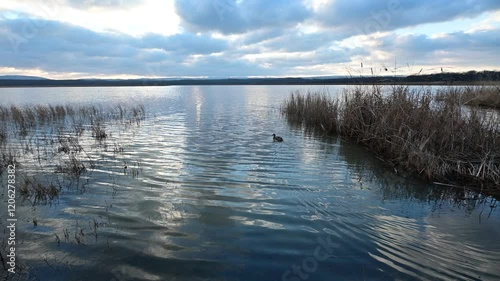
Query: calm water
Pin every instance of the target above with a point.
(207, 195)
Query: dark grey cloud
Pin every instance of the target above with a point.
(230, 16)
(274, 27)
(343, 18)
(301, 42)
(257, 36)
(222, 67)
(475, 48)
(365, 17)
(60, 47)
(422, 44)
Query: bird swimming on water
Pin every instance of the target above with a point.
(277, 138)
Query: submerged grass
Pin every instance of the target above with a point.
(49, 142)
(436, 140)
(28, 118)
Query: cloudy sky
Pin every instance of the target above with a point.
(246, 38)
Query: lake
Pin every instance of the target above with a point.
(199, 191)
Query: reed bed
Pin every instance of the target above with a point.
(302, 109)
(481, 96)
(50, 144)
(439, 141)
(28, 118)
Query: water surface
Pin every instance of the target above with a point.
(207, 195)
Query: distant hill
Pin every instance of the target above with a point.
(445, 78)
(470, 76)
(21, 77)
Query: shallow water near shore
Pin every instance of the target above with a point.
(198, 191)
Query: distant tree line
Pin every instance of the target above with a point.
(470, 76)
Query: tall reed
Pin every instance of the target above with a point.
(439, 141)
(481, 96)
(303, 110)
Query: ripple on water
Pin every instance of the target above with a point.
(207, 195)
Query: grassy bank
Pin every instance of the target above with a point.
(437, 140)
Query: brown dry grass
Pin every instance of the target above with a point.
(481, 96)
(311, 110)
(26, 119)
(438, 141)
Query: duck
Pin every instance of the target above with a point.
(277, 138)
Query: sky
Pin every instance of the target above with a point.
(68, 39)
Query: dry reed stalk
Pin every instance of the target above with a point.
(439, 141)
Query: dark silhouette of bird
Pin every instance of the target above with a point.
(277, 138)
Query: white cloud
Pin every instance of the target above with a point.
(121, 38)
(129, 17)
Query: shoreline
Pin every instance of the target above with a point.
(240, 83)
